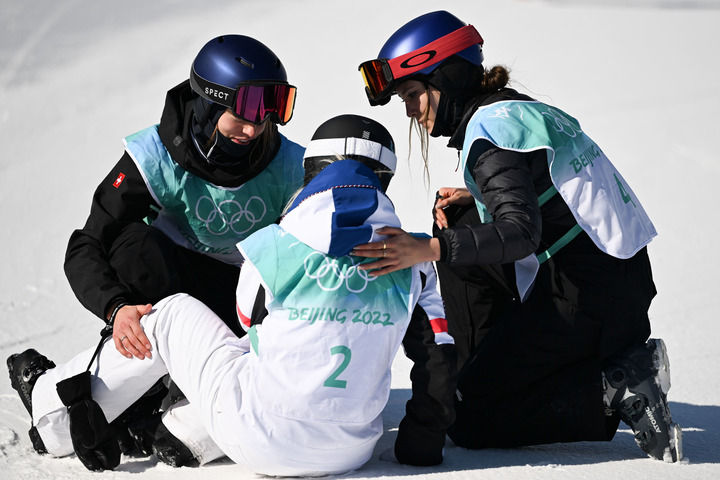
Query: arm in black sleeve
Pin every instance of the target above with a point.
(259, 311)
(430, 411)
(505, 180)
(121, 198)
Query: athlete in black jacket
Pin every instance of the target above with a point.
(168, 215)
(225, 156)
(555, 354)
(116, 257)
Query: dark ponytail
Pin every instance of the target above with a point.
(495, 78)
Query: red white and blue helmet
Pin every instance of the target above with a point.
(418, 48)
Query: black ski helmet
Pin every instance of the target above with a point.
(354, 137)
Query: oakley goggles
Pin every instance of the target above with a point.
(381, 75)
(252, 102)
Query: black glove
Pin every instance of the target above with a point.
(92, 437)
(419, 445)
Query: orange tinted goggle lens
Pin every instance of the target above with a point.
(254, 103)
(289, 106)
(374, 76)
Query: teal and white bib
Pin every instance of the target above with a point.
(331, 330)
(602, 203)
(208, 218)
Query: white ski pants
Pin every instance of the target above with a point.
(206, 360)
(188, 341)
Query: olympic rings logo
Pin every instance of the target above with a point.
(230, 214)
(562, 124)
(330, 277)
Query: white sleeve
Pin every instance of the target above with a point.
(431, 302)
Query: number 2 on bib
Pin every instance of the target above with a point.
(332, 380)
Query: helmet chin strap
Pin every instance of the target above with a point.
(205, 116)
(212, 147)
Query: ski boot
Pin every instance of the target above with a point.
(171, 451)
(25, 368)
(135, 428)
(136, 436)
(636, 384)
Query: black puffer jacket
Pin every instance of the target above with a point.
(118, 203)
(510, 183)
(579, 282)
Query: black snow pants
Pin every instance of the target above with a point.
(153, 267)
(531, 372)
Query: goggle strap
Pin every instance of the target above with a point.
(212, 91)
(326, 147)
(434, 52)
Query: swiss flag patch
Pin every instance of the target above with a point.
(118, 181)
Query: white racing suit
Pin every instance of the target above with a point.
(303, 392)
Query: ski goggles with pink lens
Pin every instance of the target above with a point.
(253, 102)
(381, 75)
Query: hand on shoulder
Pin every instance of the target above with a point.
(398, 251)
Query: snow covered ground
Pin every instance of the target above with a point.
(642, 76)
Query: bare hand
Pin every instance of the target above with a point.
(447, 197)
(128, 335)
(400, 250)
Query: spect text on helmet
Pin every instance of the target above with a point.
(216, 93)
